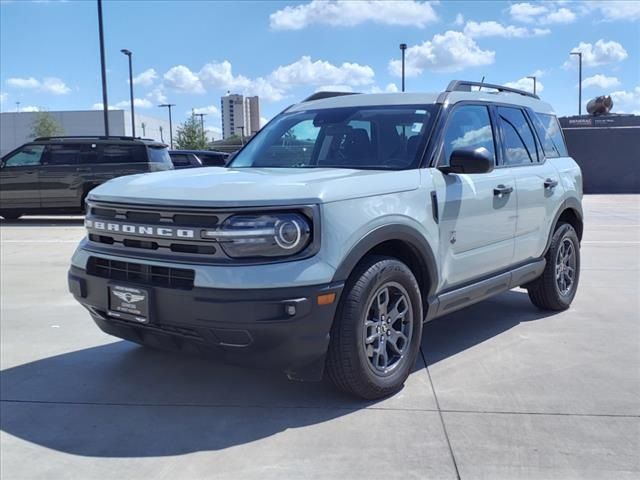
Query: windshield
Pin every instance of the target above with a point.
(380, 137)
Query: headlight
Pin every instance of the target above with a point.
(269, 235)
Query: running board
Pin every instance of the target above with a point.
(464, 296)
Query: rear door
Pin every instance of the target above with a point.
(477, 221)
(59, 185)
(537, 182)
(19, 178)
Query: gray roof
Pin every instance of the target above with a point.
(381, 99)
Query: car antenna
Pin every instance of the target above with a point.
(481, 82)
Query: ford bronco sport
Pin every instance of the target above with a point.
(342, 226)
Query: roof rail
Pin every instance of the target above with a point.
(321, 95)
(465, 86)
(97, 137)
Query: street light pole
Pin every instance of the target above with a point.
(133, 118)
(202, 115)
(103, 66)
(532, 77)
(403, 47)
(18, 107)
(169, 105)
(579, 54)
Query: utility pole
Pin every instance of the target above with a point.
(18, 107)
(579, 54)
(403, 48)
(169, 105)
(103, 65)
(202, 115)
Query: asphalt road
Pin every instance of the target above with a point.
(509, 392)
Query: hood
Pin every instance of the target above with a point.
(253, 186)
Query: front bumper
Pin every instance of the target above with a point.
(283, 328)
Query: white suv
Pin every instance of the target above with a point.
(342, 226)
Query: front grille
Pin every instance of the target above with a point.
(166, 277)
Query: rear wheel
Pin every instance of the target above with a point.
(10, 215)
(557, 286)
(377, 332)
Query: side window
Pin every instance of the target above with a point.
(123, 154)
(517, 137)
(469, 126)
(27, 156)
(63, 154)
(550, 135)
(180, 160)
(212, 160)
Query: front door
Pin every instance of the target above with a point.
(19, 179)
(59, 186)
(477, 212)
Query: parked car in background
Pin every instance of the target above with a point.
(198, 158)
(54, 174)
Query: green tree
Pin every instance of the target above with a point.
(45, 126)
(190, 136)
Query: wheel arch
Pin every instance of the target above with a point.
(570, 212)
(403, 243)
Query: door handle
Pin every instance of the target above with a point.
(550, 183)
(501, 190)
(30, 173)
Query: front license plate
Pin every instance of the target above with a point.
(129, 303)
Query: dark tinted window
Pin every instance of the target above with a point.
(212, 159)
(123, 154)
(159, 155)
(27, 156)
(518, 140)
(469, 126)
(367, 137)
(63, 154)
(550, 135)
(180, 160)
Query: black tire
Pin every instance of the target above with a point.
(545, 292)
(348, 363)
(10, 215)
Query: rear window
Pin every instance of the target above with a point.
(548, 129)
(123, 154)
(180, 160)
(213, 159)
(159, 155)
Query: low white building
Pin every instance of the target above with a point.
(16, 128)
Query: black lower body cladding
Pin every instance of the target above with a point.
(280, 328)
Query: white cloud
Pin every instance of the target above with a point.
(345, 13)
(3, 97)
(627, 101)
(543, 14)
(98, 106)
(602, 53)
(495, 29)
(23, 82)
(157, 95)
(52, 85)
(612, 10)
(526, 84)
(263, 121)
(390, 88)
(335, 88)
(600, 81)
(307, 72)
(146, 78)
(448, 52)
(137, 103)
(209, 110)
(31, 108)
(183, 80)
(220, 75)
(213, 132)
(459, 21)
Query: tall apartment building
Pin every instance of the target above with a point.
(240, 115)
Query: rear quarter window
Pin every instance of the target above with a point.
(548, 130)
(159, 155)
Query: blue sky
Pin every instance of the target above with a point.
(191, 52)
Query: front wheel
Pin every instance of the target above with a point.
(376, 335)
(558, 284)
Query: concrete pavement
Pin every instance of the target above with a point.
(509, 392)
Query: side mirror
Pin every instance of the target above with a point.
(469, 160)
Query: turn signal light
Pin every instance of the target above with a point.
(326, 298)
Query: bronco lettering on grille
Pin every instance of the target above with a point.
(144, 230)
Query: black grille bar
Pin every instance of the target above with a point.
(166, 277)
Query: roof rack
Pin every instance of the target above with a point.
(321, 95)
(97, 137)
(465, 86)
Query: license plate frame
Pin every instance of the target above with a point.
(129, 302)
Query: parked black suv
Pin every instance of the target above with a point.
(54, 174)
(198, 158)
